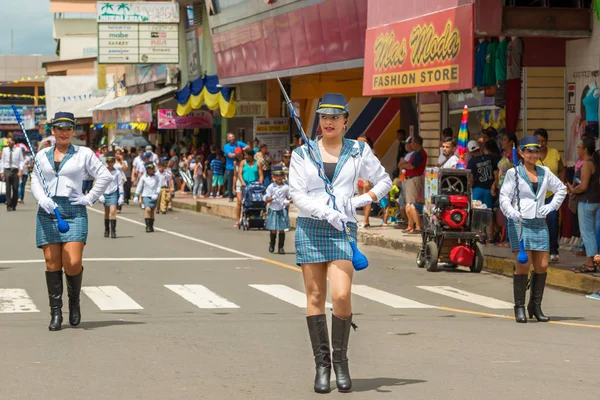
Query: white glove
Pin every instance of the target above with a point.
(514, 215)
(285, 203)
(47, 204)
(154, 197)
(352, 204)
(335, 218)
(545, 209)
(121, 201)
(101, 199)
(135, 200)
(80, 200)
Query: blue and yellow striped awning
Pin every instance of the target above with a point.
(205, 90)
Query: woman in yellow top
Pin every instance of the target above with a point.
(550, 157)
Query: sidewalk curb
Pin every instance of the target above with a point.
(557, 278)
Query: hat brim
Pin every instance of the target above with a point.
(63, 124)
(331, 111)
(532, 146)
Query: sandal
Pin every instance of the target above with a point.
(408, 230)
(585, 269)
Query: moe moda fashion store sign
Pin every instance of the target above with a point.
(138, 32)
(275, 133)
(168, 119)
(425, 54)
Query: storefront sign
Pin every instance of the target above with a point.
(251, 109)
(139, 113)
(275, 133)
(164, 12)
(168, 119)
(429, 53)
(7, 117)
(141, 32)
(138, 43)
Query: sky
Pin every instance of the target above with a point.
(32, 26)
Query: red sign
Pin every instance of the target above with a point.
(430, 53)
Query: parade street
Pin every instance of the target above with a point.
(194, 311)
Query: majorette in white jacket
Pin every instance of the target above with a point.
(307, 189)
(116, 183)
(530, 202)
(77, 163)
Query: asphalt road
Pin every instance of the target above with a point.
(173, 315)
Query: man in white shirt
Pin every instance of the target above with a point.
(448, 148)
(153, 156)
(12, 159)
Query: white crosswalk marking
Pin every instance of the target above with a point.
(110, 298)
(16, 301)
(286, 293)
(478, 299)
(386, 298)
(201, 297)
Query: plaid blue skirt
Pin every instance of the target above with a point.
(111, 199)
(318, 241)
(535, 235)
(148, 202)
(277, 220)
(46, 230)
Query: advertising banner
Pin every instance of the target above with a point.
(583, 99)
(275, 133)
(138, 32)
(430, 53)
(7, 117)
(168, 119)
(139, 113)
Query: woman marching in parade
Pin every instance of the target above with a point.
(64, 167)
(277, 197)
(149, 188)
(322, 247)
(112, 197)
(522, 200)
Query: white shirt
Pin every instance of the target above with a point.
(148, 186)
(307, 190)
(530, 204)
(451, 162)
(17, 158)
(277, 193)
(165, 178)
(27, 161)
(116, 182)
(78, 162)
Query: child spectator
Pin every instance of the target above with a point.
(218, 168)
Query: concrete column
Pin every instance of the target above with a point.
(273, 99)
(35, 94)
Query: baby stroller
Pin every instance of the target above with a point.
(253, 207)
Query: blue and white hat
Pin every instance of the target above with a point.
(529, 142)
(333, 103)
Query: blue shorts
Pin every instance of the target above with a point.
(218, 180)
(384, 202)
(484, 195)
(419, 207)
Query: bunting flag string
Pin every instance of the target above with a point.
(206, 90)
(23, 79)
(140, 126)
(21, 96)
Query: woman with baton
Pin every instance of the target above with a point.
(325, 206)
(63, 167)
(522, 201)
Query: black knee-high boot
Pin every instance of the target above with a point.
(272, 238)
(538, 282)
(113, 228)
(319, 339)
(340, 334)
(151, 221)
(74, 290)
(106, 227)
(281, 243)
(519, 290)
(147, 224)
(54, 282)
